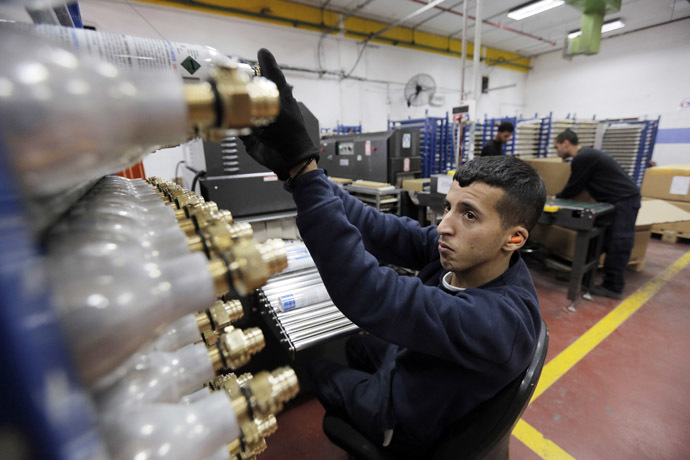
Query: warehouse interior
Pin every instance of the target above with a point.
(168, 287)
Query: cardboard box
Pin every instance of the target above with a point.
(416, 185)
(671, 182)
(561, 241)
(682, 228)
(555, 174)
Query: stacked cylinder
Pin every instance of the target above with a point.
(148, 281)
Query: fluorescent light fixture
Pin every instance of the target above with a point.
(532, 8)
(607, 27)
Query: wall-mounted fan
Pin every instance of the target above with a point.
(420, 89)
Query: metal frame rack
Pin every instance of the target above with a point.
(341, 129)
(631, 143)
(348, 129)
(531, 136)
(436, 139)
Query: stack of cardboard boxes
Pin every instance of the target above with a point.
(672, 211)
(670, 183)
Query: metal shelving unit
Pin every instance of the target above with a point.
(526, 139)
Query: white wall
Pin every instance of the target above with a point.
(332, 100)
(645, 74)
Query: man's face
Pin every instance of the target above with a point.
(504, 136)
(562, 149)
(471, 234)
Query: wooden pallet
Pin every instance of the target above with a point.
(636, 265)
(672, 237)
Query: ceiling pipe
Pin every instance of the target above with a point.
(406, 18)
(493, 24)
(476, 54)
(463, 96)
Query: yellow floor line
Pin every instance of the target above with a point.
(565, 360)
(536, 441)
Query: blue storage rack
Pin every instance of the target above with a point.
(646, 148)
(348, 129)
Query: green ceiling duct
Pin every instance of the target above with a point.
(593, 12)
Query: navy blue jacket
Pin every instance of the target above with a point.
(454, 349)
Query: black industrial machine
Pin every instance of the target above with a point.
(387, 156)
(236, 181)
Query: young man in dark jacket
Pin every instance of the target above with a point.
(442, 342)
(605, 180)
(495, 146)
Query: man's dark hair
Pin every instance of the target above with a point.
(569, 136)
(506, 126)
(524, 193)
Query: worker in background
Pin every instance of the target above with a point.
(441, 343)
(604, 179)
(495, 146)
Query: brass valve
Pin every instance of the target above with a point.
(247, 266)
(220, 237)
(212, 321)
(180, 214)
(235, 347)
(254, 436)
(188, 198)
(270, 390)
(231, 100)
(248, 395)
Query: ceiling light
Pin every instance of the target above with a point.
(532, 8)
(607, 27)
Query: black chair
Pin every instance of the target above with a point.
(484, 433)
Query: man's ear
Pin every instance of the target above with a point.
(517, 237)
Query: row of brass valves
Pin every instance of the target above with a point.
(207, 228)
(255, 400)
(238, 263)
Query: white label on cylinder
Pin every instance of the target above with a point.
(191, 62)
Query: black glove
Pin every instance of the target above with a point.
(285, 143)
(266, 156)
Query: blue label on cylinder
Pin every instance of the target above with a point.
(288, 302)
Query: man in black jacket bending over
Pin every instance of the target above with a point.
(605, 180)
(443, 342)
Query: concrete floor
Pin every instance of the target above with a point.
(628, 398)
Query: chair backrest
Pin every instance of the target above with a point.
(485, 431)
